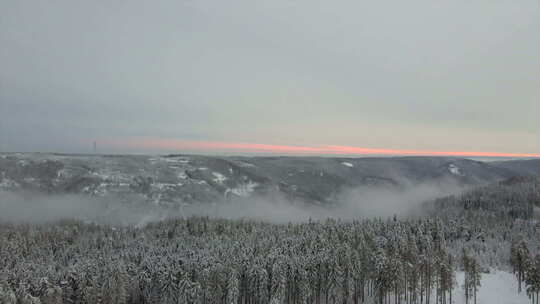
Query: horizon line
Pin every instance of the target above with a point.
(242, 147)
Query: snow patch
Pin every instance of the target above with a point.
(454, 170)
(176, 160)
(244, 164)
(218, 177)
(7, 183)
(62, 173)
(243, 190)
(498, 287)
(346, 164)
(29, 180)
(161, 186)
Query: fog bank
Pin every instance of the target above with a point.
(363, 202)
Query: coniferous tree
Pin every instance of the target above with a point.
(7, 295)
(533, 279)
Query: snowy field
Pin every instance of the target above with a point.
(498, 287)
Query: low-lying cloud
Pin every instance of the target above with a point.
(40, 208)
(363, 202)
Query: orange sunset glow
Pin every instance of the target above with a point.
(218, 146)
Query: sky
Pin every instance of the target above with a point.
(424, 77)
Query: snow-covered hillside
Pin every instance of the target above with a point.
(185, 179)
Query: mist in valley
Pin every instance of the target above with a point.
(352, 203)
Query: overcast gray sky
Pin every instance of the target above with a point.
(456, 75)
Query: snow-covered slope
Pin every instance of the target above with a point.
(498, 287)
(185, 179)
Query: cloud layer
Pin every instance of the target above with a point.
(423, 75)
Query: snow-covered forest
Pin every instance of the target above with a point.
(210, 260)
(269, 152)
